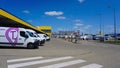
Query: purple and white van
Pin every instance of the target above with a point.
(17, 37)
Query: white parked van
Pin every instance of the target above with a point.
(44, 37)
(47, 37)
(41, 40)
(17, 37)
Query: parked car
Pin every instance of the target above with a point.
(117, 36)
(111, 36)
(86, 37)
(108, 37)
(95, 37)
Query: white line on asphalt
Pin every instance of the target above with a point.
(64, 64)
(38, 62)
(92, 66)
(23, 59)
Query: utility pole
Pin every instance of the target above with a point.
(100, 24)
(114, 13)
(115, 25)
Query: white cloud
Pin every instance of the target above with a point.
(87, 26)
(83, 28)
(78, 24)
(61, 17)
(26, 11)
(110, 26)
(75, 27)
(109, 29)
(54, 13)
(81, 1)
(60, 29)
(29, 21)
(77, 21)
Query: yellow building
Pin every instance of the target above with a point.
(46, 29)
(9, 20)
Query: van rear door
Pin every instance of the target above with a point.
(9, 36)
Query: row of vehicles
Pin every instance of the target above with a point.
(98, 37)
(21, 37)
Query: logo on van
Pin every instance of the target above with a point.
(12, 35)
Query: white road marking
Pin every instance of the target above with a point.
(23, 59)
(38, 62)
(64, 64)
(92, 66)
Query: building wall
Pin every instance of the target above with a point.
(46, 29)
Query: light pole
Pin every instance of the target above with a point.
(100, 33)
(115, 24)
(114, 13)
(100, 24)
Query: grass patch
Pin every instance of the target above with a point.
(113, 42)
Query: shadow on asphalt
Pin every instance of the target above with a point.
(41, 45)
(5, 47)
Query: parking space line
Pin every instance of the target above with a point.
(23, 59)
(64, 64)
(38, 62)
(92, 66)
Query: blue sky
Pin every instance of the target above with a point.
(83, 15)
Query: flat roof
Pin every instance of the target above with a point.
(44, 27)
(9, 20)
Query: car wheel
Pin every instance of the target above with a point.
(30, 46)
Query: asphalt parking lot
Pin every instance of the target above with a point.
(59, 53)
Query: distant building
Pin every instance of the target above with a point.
(46, 29)
(66, 32)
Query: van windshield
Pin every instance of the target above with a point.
(45, 36)
(37, 35)
(30, 33)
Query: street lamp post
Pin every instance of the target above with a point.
(100, 24)
(114, 11)
(115, 25)
(100, 33)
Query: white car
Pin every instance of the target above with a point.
(86, 37)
